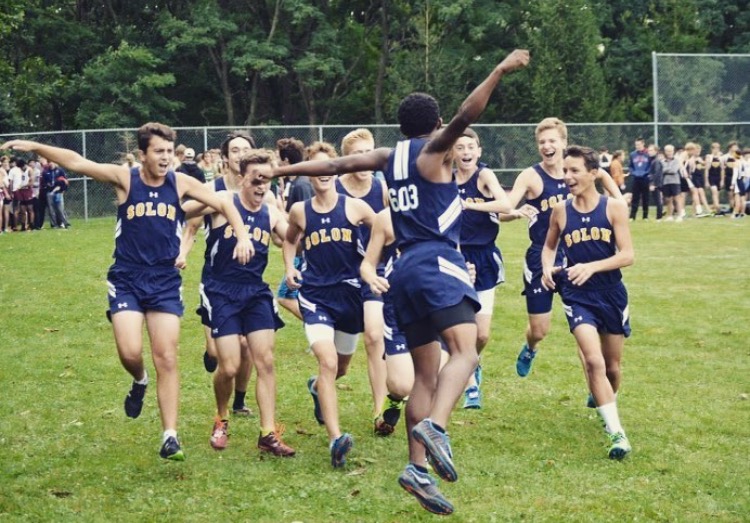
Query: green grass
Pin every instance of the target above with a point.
(67, 451)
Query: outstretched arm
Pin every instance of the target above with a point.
(72, 161)
(378, 239)
(475, 103)
(370, 161)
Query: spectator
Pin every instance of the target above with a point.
(189, 167)
(5, 198)
(57, 208)
(130, 161)
(605, 160)
(672, 173)
(41, 204)
(742, 183)
(714, 166)
(206, 163)
(20, 183)
(639, 165)
(656, 175)
(179, 154)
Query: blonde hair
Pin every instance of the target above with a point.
(552, 123)
(320, 147)
(356, 135)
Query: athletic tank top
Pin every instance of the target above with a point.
(553, 191)
(477, 228)
(223, 241)
(421, 210)
(730, 161)
(220, 184)
(714, 167)
(149, 224)
(374, 199)
(330, 254)
(590, 237)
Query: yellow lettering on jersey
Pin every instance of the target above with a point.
(147, 209)
(161, 209)
(336, 234)
(139, 209)
(475, 200)
(228, 232)
(150, 209)
(585, 234)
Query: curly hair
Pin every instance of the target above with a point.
(418, 114)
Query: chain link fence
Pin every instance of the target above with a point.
(506, 148)
(702, 98)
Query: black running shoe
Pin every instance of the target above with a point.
(134, 400)
(209, 362)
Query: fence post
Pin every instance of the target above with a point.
(655, 80)
(320, 133)
(85, 181)
(205, 138)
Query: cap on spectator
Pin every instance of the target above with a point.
(189, 153)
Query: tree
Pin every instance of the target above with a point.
(567, 79)
(123, 88)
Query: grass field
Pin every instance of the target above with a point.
(534, 452)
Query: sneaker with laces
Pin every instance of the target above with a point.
(524, 361)
(134, 400)
(172, 450)
(340, 448)
(472, 398)
(209, 362)
(219, 434)
(478, 375)
(620, 446)
(437, 445)
(590, 401)
(272, 443)
(243, 411)
(424, 488)
(316, 403)
(385, 424)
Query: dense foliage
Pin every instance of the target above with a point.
(114, 63)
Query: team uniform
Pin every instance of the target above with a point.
(539, 299)
(714, 171)
(374, 199)
(602, 301)
(430, 274)
(478, 233)
(331, 291)
(730, 163)
(237, 299)
(220, 184)
(395, 341)
(698, 176)
(147, 242)
(296, 190)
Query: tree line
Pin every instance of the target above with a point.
(68, 64)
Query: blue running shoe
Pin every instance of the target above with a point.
(472, 398)
(478, 375)
(620, 446)
(590, 401)
(134, 400)
(424, 488)
(524, 361)
(171, 450)
(340, 448)
(437, 444)
(314, 393)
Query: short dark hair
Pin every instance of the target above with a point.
(590, 158)
(147, 130)
(418, 114)
(291, 150)
(20, 162)
(231, 136)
